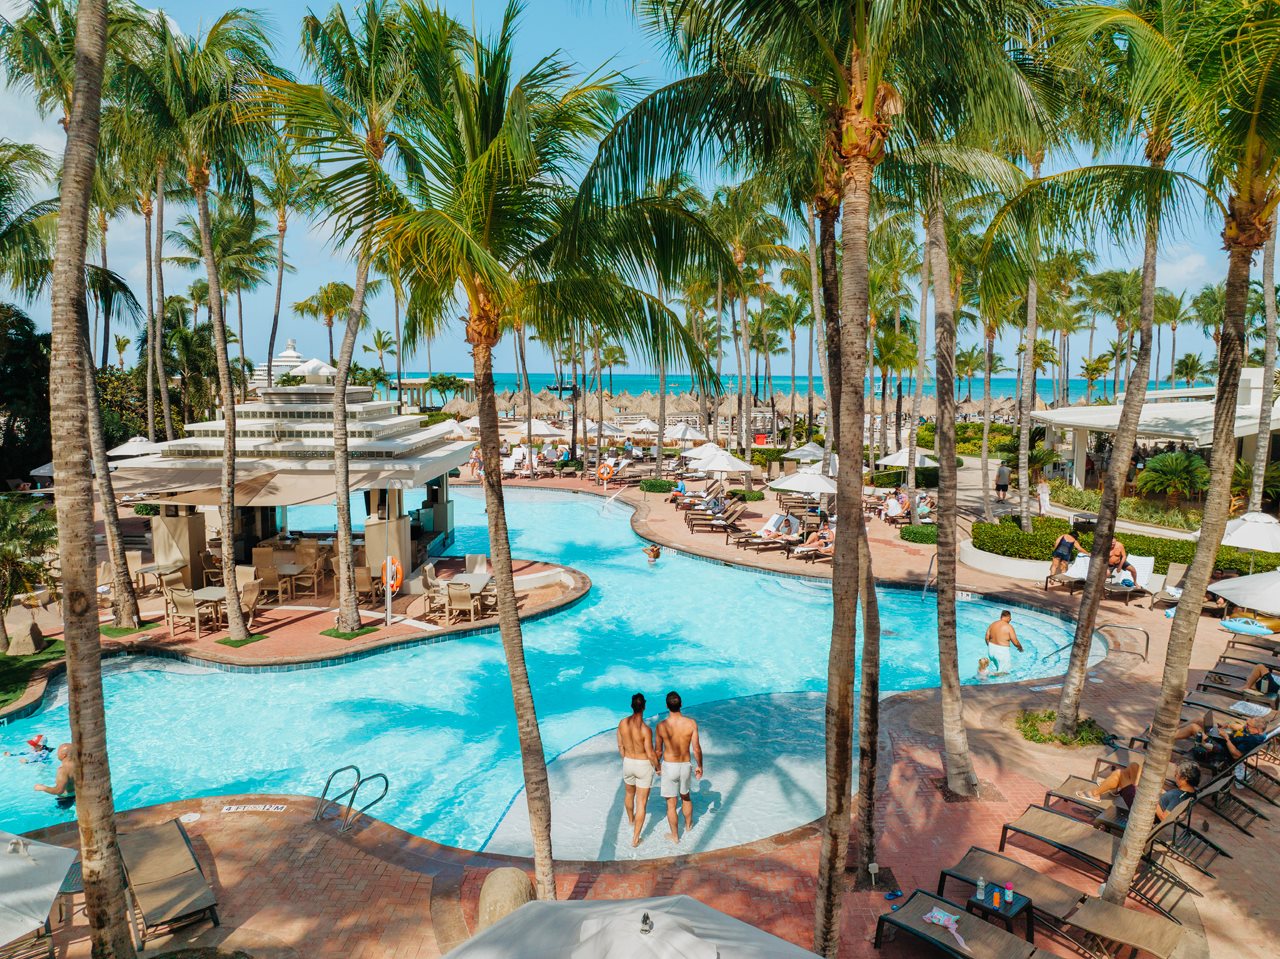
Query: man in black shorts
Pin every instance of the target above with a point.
(1124, 783)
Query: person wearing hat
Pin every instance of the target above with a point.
(39, 750)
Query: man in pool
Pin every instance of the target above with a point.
(677, 740)
(635, 745)
(1001, 634)
(64, 784)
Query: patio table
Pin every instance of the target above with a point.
(475, 582)
(215, 596)
(157, 570)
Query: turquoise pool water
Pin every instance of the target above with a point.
(437, 719)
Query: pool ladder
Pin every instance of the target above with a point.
(350, 814)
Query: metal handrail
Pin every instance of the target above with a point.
(325, 802)
(1146, 649)
(353, 814)
(928, 575)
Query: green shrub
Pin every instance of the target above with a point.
(1037, 727)
(968, 437)
(146, 509)
(573, 465)
(1133, 508)
(656, 486)
(747, 496)
(926, 533)
(926, 476)
(764, 455)
(435, 417)
(1007, 539)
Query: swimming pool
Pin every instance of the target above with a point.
(437, 718)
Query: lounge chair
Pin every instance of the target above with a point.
(1145, 567)
(1063, 906)
(166, 885)
(984, 941)
(723, 521)
(1072, 577)
(1170, 594)
(307, 583)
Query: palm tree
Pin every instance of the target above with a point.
(1093, 370)
(383, 345)
(193, 91)
(284, 186)
(969, 362)
(1176, 474)
(109, 926)
(1191, 369)
(1262, 452)
(112, 196)
(546, 256)
(791, 311)
(121, 345)
(612, 355)
(332, 300)
(1172, 311)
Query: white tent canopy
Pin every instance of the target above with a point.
(805, 481)
(539, 429)
(721, 461)
(313, 368)
(1260, 531)
(1260, 592)
(806, 454)
(683, 433)
(682, 928)
(29, 882)
(644, 426)
(903, 458)
(1187, 422)
(135, 446)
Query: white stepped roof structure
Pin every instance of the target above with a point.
(289, 431)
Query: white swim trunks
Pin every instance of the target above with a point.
(676, 779)
(637, 772)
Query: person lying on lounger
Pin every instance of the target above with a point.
(1124, 784)
(821, 536)
(1263, 679)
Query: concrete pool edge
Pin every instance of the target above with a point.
(33, 697)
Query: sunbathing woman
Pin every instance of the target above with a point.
(819, 537)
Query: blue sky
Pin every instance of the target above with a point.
(591, 32)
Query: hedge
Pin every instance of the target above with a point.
(1133, 508)
(926, 476)
(747, 496)
(656, 486)
(764, 455)
(1007, 539)
(926, 533)
(146, 509)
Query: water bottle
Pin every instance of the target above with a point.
(1008, 894)
(981, 894)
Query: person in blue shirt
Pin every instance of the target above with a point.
(678, 493)
(1221, 742)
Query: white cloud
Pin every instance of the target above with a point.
(1187, 267)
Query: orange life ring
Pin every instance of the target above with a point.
(605, 472)
(391, 568)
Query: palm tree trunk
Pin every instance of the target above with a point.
(1263, 452)
(791, 433)
(833, 373)
(662, 416)
(815, 324)
(145, 204)
(244, 367)
(739, 430)
(917, 394)
(235, 617)
(282, 224)
(715, 406)
(522, 370)
(865, 804)
(124, 599)
(1026, 403)
(600, 406)
(847, 573)
(328, 324)
(482, 332)
(157, 344)
(1126, 437)
(1173, 355)
(961, 778)
(1182, 635)
(109, 929)
(395, 305)
(989, 362)
(106, 312)
(1155, 365)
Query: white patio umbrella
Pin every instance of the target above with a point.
(135, 446)
(471, 425)
(700, 451)
(721, 461)
(540, 429)
(1260, 592)
(607, 430)
(679, 927)
(29, 880)
(644, 426)
(806, 454)
(805, 481)
(903, 458)
(1252, 531)
(682, 433)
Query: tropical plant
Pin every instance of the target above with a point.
(121, 344)
(1191, 368)
(1176, 474)
(383, 345)
(28, 535)
(611, 356)
(969, 363)
(1093, 370)
(331, 300)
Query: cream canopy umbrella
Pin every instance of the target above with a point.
(721, 461)
(135, 446)
(903, 458)
(680, 927)
(698, 452)
(644, 426)
(1260, 591)
(313, 369)
(805, 481)
(682, 433)
(30, 876)
(1252, 531)
(808, 453)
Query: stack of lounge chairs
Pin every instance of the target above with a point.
(701, 520)
(166, 886)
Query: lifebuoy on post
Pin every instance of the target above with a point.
(392, 573)
(605, 472)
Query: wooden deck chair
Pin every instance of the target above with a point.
(184, 607)
(166, 886)
(458, 599)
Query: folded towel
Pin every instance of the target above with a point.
(1174, 591)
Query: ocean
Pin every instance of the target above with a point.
(635, 383)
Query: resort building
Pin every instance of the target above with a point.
(284, 459)
(1177, 416)
(284, 362)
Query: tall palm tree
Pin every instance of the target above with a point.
(1262, 452)
(331, 300)
(1191, 368)
(109, 927)
(285, 186)
(612, 355)
(112, 197)
(1093, 370)
(1171, 311)
(515, 242)
(193, 91)
(383, 345)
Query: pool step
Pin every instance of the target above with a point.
(350, 814)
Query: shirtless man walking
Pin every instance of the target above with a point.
(677, 739)
(1001, 634)
(635, 745)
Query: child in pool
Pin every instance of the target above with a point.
(653, 552)
(984, 669)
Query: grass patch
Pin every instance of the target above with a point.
(362, 631)
(119, 632)
(15, 671)
(1037, 727)
(237, 643)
